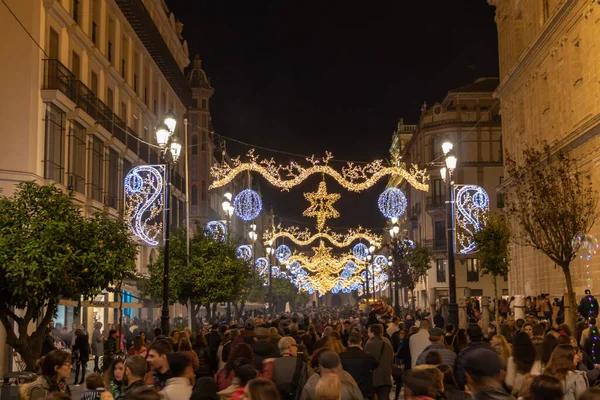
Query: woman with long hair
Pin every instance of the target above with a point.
(224, 376)
(113, 378)
(562, 367)
(185, 347)
(261, 389)
(174, 336)
(55, 368)
(205, 359)
(138, 348)
(523, 362)
(334, 343)
(500, 346)
(80, 353)
(460, 341)
(548, 345)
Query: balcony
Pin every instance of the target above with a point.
(433, 203)
(436, 245)
(58, 77)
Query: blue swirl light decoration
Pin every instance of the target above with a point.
(244, 252)
(380, 260)
(247, 204)
(283, 253)
(472, 203)
(261, 264)
(144, 202)
(360, 251)
(392, 203)
(216, 230)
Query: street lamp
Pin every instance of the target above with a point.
(171, 150)
(447, 173)
(270, 251)
(228, 209)
(253, 236)
(369, 265)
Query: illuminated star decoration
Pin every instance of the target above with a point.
(321, 205)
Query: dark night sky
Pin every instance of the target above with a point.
(306, 77)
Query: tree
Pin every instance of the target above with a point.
(214, 274)
(253, 290)
(411, 263)
(548, 198)
(283, 291)
(49, 251)
(493, 251)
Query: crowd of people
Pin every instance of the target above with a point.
(331, 354)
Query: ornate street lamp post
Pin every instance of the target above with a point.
(447, 173)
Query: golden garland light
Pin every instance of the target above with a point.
(321, 205)
(306, 237)
(322, 262)
(353, 177)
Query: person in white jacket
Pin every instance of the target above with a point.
(418, 342)
(179, 386)
(522, 363)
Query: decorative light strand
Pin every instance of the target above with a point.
(306, 237)
(353, 177)
(472, 204)
(321, 205)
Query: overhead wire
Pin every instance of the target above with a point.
(25, 29)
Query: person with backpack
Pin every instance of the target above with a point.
(288, 372)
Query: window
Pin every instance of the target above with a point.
(194, 195)
(124, 112)
(109, 51)
(440, 268)
(94, 83)
(76, 11)
(438, 191)
(126, 168)
(110, 99)
(194, 145)
(204, 141)
(94, 32)
(112, 195)
(204, 102)
(500, 196)
(54, 138)
(439, 241)
(472, 270)
(194, 119)
(76, 65)
(123, 66)
(53, 42)
(203, 194)
(96, 169)
(194, 103)
(77, 138)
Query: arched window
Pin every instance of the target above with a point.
(203, 191)
(194, 195)
(194, 145)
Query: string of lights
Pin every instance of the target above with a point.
(306, 237)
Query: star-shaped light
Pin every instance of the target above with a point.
(321, 205)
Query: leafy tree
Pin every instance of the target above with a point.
(552, 204)
(283, 291)
(49, 251)
(214, 274)
(253, 290)
(411, 263)
(493, 251)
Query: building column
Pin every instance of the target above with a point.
(85, 11)
(519, 307)
(485, 310)
(102, 28)
(463, 319)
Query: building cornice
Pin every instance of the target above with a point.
(538, 45)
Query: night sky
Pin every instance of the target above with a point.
(305, 77)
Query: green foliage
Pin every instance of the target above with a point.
(411, 262)
(493, 251)
(49, 251)
(214, 274)
(283, 291)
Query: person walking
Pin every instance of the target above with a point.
(436, 337)
(384, 354)
(97, 345)
(81, 355)
(359, 364)
(289, 372)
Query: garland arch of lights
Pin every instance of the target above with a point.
(472, 205)
(144, 202)
(306, 237)
(352, 177)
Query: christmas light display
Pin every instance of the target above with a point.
(261, 264)
(360, 251)
(321, 205)
(306, 237)
(283, 253)
(247, 204)
(216, 230)
(244, 252)
(144, 202)
(471, 205)
(380, 260)
(353, 177)
(392, 203)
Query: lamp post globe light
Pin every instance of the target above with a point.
(270, 251)
(447, 173)
(171, 150)
(228, 209)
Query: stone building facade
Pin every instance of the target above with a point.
(549, 91)
(467, 117)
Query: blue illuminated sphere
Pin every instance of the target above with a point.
(392, 203)
(283, 253)
(380, 260)
(360, 251)
(244, 252)
(247, 204)
(216, 230)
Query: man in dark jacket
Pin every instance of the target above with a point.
(359, 364)
(289, 372)
(263, 348)
(384, 354)
(483, 371)
(588, 307)
(213, 339)
(135, 371)
(475, 342)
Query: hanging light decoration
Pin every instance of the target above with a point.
(283, 253)
(216, 230)
(261, 264)
(360, 251)
(247, 204)
(244, 252)
(392, 203)
(380, 260)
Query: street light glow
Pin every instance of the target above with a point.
(170, 121)
(451, 162)
(162, 135)
(447, 147)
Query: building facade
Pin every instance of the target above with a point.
(548, 91)
(81, 109)
(467, 117)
